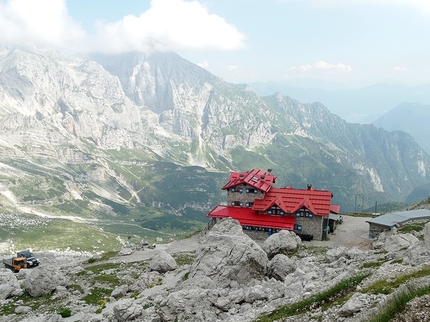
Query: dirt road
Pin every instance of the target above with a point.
(353, 232)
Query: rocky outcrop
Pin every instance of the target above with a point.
(210, 288)
(227, 255)
(390, 241)
(284, 242)
(162, 262)
(9, 285)
(44, 280)
(280, 266)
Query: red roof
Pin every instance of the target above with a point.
(248, 217)
(291, 200)
(335, 209)
(256, 178)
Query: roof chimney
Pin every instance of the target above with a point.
(309, 186)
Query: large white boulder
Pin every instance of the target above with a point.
(44, 280)
(226, 254)
(163, 262)
(9, 284)
(283, 242)
(280, 266)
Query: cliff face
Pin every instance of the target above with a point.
(106, 128)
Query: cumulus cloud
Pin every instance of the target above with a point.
(421, 4)
(231, 67)
(166, 25)
(204, 65)
(399, 69)
(42, 22)
(323, 66)
(169, 25)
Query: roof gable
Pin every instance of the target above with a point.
(248, 217)
(291, 200)
(255, 178)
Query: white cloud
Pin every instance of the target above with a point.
(323, 66)
(204, 65)
(231, 67)
(399, 69)
(420, 4)
(167, 25)
(333, 67)
(42, 22)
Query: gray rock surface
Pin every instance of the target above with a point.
(8, 283)
(280, 266)
(210, 290)
(226, 254)
(427, 235)
(162, 262)
(44, 280)
(284, 242)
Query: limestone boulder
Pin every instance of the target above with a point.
(280, 266)
(9, 284)
(398, 242)
(44, 280)
(163, 262)
(120, 291)
(283, 242)
(226, 254)
(128, 310)
(355, 304)
(183, 304)
(145, 280)
(427, 235)
(336, 253)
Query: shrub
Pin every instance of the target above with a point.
(65, 312)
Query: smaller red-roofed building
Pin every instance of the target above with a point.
(260, 207)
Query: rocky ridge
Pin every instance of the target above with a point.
(229, 278)
(86, 132)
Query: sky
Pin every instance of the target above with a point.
(350, 43)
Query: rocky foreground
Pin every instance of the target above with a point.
(229, 278)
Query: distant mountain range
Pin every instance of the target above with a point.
(149, 139)
(413, 118)
(363, 105)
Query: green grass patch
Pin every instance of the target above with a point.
(398, 304)
(97, 269)
(313, 250)
(107, 279)
(184, 258)
(315, 301)
(65, 312)
(387, 286)
(105, 256)
(411, 227)
(373, 264)
(27, 300)
(97, 296)
(61, 234)
(75, 287)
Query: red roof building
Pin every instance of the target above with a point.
(258, 206)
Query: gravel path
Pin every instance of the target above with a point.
(353, 232)
(180, 246)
